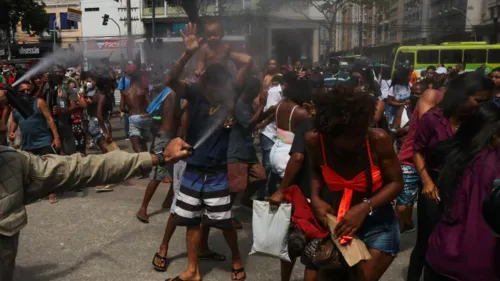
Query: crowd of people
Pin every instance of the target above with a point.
(366, 149)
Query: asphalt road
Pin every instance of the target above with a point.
(96, 237)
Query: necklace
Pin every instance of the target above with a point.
(213, 109)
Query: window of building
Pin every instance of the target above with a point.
(52, 21)
(67, 24)
(96, 9)
(451, 56)
(494, 56)
(475, 56)
(429, 57)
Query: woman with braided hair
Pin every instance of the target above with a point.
(360, 168)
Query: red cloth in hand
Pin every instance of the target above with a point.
(303, 216)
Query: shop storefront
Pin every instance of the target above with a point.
(112, 49)
(23, 53)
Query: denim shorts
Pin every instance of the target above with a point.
(411, 186)
(139, 126)
(380, 231)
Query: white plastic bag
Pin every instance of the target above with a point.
(405, 117)
(270, 229)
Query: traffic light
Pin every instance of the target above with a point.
(105, 19)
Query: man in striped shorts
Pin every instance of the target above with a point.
(204, 197)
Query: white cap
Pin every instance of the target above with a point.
(441, 70)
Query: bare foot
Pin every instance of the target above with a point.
(142, 215)
(52, 198)
(189, 276)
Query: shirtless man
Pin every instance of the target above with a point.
(98, 111)
(135, 101)
(171, 112)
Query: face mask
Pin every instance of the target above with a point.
(89, 85)
(55, 80)
(26, 98)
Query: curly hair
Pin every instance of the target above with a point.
(344, 109)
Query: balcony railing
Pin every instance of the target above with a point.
(148, 12)
(205, 10)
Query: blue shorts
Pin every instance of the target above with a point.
(411, 186)
(204, 198)
(380, 231)
(139, 126)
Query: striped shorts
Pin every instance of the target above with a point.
(204, 198)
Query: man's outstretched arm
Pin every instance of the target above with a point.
(43, 175)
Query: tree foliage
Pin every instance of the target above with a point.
(29, 13)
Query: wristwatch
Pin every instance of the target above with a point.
(369, 202)
(161, 159)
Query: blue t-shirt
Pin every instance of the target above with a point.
(123, 84)
(206, 126)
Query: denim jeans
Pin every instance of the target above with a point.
(266, 144)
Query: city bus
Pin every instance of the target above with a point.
(473, 54)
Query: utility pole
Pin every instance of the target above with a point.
(495, 30)
(130, 42)
(360, 32)
(153, 20)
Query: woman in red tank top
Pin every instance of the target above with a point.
(359, 166)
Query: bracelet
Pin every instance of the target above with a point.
(161, 159)
(367, 201)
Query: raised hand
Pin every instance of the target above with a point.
(191, 41)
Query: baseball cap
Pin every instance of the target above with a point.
(441, 70)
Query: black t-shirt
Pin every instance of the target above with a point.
(303, 178)
(241, 148)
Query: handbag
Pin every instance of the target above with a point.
(328, 256)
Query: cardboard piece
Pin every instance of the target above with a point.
(353, 252)
(111, 146)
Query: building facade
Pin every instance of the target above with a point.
(416, 21)
(109, 41)
(455, 21)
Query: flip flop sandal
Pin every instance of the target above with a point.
(160, 268)
(212, 256)
(141, 219)
(238, 271)
(174, 279)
